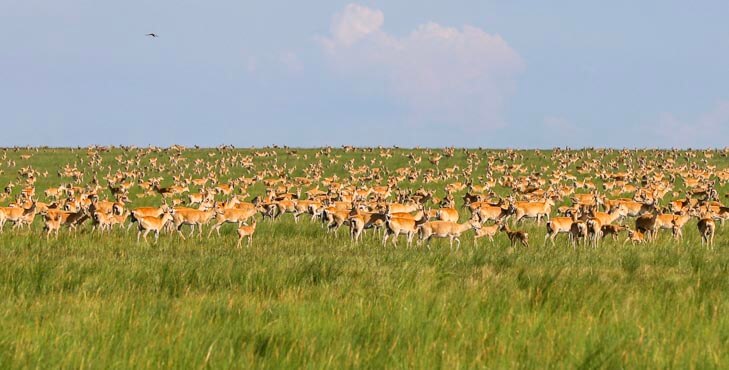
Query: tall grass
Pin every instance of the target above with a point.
(301, 298)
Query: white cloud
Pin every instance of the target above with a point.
(354, 23)
(440, 74)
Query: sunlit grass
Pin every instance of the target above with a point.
(301, 298)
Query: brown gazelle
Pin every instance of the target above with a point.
(404, 208)
(607, 218)
(52, 224)
(488, 231)
(192, 217)
(594, 230)
(447, 214)
(707, 229)
(102, 220)
(676, 231)
(635, 237)
(246, 231)
(559, 225)
(396, 226)
(645, 224)
(578, 231)
(446, 229)
(611, 230)
(634, 208)
(232, 215)
(599, 219)
(107, 221)
(533, 210)
(70, 219)
(150, 211)
(17, 215)
(356, 226)
(151, 223)
(365, 220)
(516, 235)
(493, 213)
(335, 218)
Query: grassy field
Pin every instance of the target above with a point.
(301, 298)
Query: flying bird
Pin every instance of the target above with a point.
(152, 34)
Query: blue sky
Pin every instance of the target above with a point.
(428, 73)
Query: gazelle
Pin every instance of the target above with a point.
(17, 215)
(447, 214)
(150, 211)
(396, 226)
(233, 215)
(334, 218)
(197, 198)
(578, 231)
(594, 230)
(105, 206)
(192, 217)
(365, 220)
(607, 218)
(559, 225)
(446, 229)
(676, 231)
(286, 206)
(646, 225)
(305, 206)
(404, 208)
(635, 237)
(246, 231)
(70, 219)
(52, 224)
(612, 230)
(650, 224)
(102, 220)
(488, 231)
(516, 235)
(635, 209)
(495, 213)
(107, 222)
(707, 229)
(534, 210)
(150, 223)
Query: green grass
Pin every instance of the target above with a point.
(301, 298)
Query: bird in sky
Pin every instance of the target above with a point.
(152, 35)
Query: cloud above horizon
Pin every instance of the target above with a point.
(439, 75)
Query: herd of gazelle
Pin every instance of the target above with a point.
(392, 208)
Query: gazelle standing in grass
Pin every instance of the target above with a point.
(707, 229)
(516, 235)
(396, 226)
(52, 224)
(559, 225)
(151, 223)
(635, 237)
(232, 215)
(486, 231)
(537, 210)
(246, 231)
(447, 229)
(192, 217)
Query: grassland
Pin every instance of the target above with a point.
(301, 298)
